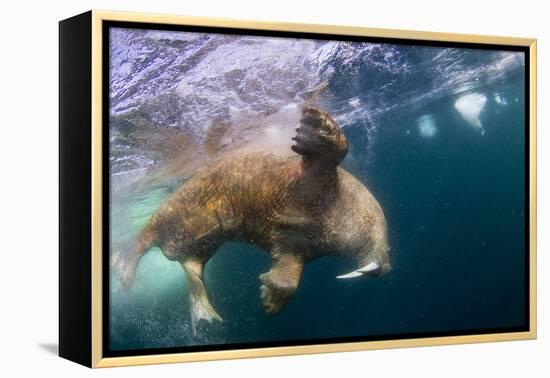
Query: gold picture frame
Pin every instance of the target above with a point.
(89, 330)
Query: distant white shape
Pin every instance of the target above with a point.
(426, 126)
(470, 106)
(500, 100)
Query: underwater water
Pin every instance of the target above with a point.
(437, 135)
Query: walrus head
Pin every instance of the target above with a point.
(323, 145)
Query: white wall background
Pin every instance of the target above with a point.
(28, 158)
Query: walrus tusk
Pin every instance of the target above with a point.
(371, 267)
(350, 275)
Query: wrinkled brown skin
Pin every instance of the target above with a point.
(298, 208)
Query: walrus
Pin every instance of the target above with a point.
(297, 207)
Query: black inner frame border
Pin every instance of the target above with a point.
(107, 25)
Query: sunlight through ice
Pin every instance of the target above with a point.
(470, 106)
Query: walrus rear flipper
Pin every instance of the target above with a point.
(319, 138)
(200, 305)
(129, 262)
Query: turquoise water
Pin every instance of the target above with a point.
(452, 190)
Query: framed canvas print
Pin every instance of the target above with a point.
(236, 189)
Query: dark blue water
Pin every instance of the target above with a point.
(454, 200)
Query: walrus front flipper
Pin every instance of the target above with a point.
(319, 138)
(280, 283)
(200, 305)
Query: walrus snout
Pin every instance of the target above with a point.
(386, 268)
(381, 270)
